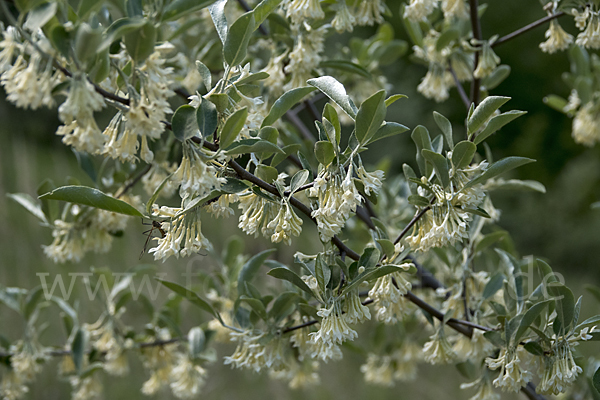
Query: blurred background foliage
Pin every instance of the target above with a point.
(559, 225)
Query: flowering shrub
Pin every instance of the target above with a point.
(422, 254)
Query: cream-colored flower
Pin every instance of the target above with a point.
(586, 125)
(186, 378)
(334, 326)
(196, 177)
(299, 10)
(356, 312)
(438, 350)
(344, 20)
(88, 388)
(436, 83)
(484, 388)
(418, 10)
(455, 8)
(370, 12)
(512, 376)
(183, 234)
(557, 38)
(488, 61)
(285, 225)
(560, 369)
(590, 37)
(306, 54)
(378, 370)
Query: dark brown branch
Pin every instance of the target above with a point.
(527, 28)
(134, 181)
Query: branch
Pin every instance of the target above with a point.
(476, 27)
(527, 28)
(460, 88)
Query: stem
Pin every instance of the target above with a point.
(476, 28)
(411, 223)
(460, 88)
(527, 28)
(134, 181)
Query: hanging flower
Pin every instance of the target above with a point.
(488, 61)
(196, 177)
(186, 378)
(298, 10)
(586, 125)
(334, 326)
(558, 39)
(285, 225)
(455, 9)
(484, 388)
(344, 20)
(560, 369)
(417, 10)
(306, 54)
(356, 312)
(512, 377)
(438, 350)
(257, 213)
(370, 12)
(378, 370)
(436, 83)
(183, 233)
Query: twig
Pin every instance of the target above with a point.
(526, 28)
(134, 181)
(476, 27)
(460, 88)
(411, 223)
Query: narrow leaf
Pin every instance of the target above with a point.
(370, 116)
(440, 164)
(484, 111)
(336, 92)
(497, 168)
(233, 126)
(496, 123)
(445, 126)
(192, 297)
(284, 103)
(88, 196)
(388, 129)
(217, 13)
(290, 276)
(29, 203)
(236, 44)
(250, 268)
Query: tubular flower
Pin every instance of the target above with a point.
(378, 370)
(195, 176)
(356, 312)
(220, 208)
(334, 326)
(560, 370)
(255, 351)
(257, 213)
(274, 83)
(9, 46)
(484, 388)
(88, 388)
(160, 361)
(455, 8)
(186, 378)
(388, 295)
(299, 10)
(438, 350)
(370, 12)
(371, 180)
(436, 83)
(344, 20)
(586, 125)
(418, 10)
(488, 61)
(182, 233)
(590, 37)
(306, 54)
(511, 377)
(336, 201)
(557, 38)
(31, 86)
(285, 225)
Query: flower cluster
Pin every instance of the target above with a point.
(417, 10)
(388, 294)
(182, 233)
(446, 221)
(588, 22)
